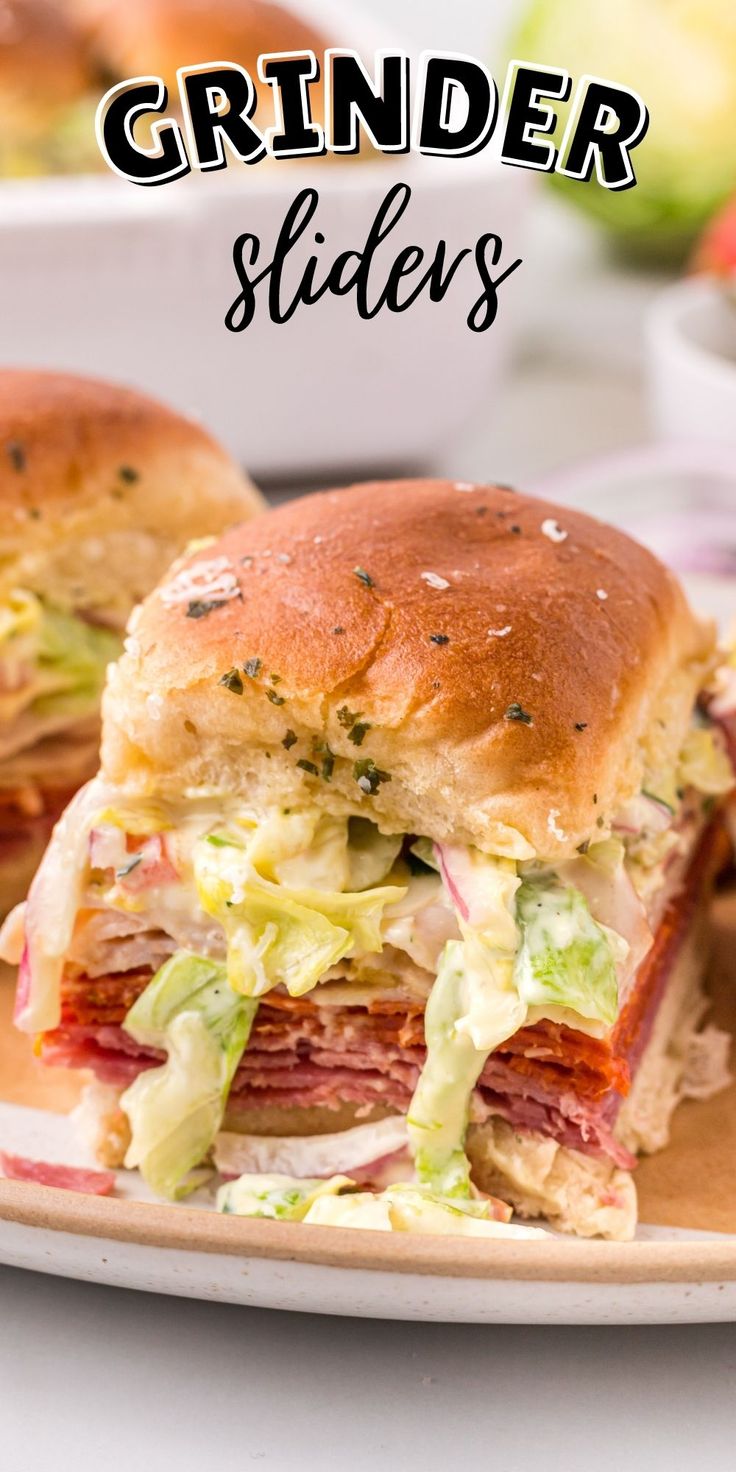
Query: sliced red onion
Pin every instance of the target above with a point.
(644, 813)
(454, 868)
(23, 987)
(465, 878)
(698, 537)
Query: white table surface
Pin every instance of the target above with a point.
(104, 1378)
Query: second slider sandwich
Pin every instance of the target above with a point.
(408, 840)
(100, 487)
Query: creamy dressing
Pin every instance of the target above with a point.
(336, 1202)
(438, 1113)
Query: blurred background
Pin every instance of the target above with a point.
(609, 378)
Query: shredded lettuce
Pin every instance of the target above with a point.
(703, 763)
(371, 854)
(72, 659)
(566, 958)
(280, 936)
(300, 847)
(65, 657)
(140, 819)
(306, 848)
(175, 1111)
(360, 1209)
(472, 1008)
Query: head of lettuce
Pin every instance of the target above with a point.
(680, 56)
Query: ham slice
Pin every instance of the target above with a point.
(65, 1177)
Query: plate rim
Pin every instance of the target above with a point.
(188, 1229)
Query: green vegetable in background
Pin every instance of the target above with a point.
(680, 56)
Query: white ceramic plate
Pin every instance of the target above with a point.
(667, 1276)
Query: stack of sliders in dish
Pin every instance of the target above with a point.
(100, 488)
(403, 850)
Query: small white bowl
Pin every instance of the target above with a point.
(691, 352)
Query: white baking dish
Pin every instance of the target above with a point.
(691, 362)
(100, 276)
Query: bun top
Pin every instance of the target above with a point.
(100, 486)
(454, 660)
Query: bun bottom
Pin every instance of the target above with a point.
(582, 1194)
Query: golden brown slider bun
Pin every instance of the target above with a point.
(156, 37)
(514, 678)
(99, 487)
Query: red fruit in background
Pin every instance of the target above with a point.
(716, 250)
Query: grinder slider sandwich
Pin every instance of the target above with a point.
(406, 845)
(100, 487)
